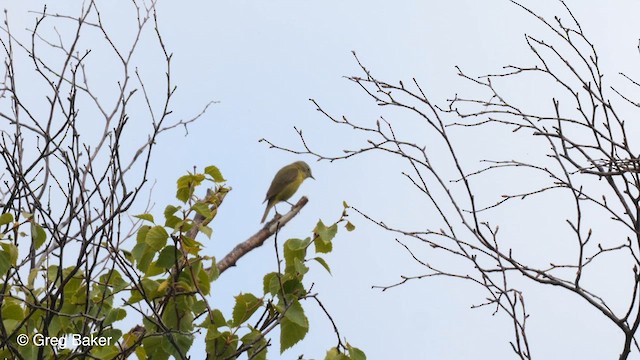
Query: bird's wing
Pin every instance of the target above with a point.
(285, 176)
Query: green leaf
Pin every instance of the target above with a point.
(271, 284)
(6, 218)
(295, 313)
(156, 237)
(218, 318)
(294, 326)
(105, 352)
(215, 173)
(52, 272)
(146, 217)
(114, 315)
(294, 249)
(143, 255)
(141, 353)
(223, 345)
(322, 247)
(349, 226)
(38, 236)
(183, 194)
(149, 291)
(256, 343)
(214, 273)
(138, 251)
(297, 244)
(355, 353)
(154, 270)
(190, 245)
(322, 262)
(190, 180)
(154, 347)
(300, 267)
(33, 274)
(168, 257)
(12, 250)
(171, 210)
(326, 234)
(29, 351)
(202, 209)
(292, 285)
(334, 354)
(108, 352)
(199, 307)
(170, 219)
(206, 230)
(204, 282)
(177, 316)
(212, 335)
(182, 345)
(5, 262)
(246, 305)
(186, 186)
(12, 311)
(127, 255)
(114, 279)
(142, 233)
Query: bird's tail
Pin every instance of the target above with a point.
(266, 212)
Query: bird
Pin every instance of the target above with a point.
(285, 184)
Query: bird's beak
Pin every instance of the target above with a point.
(311, 176)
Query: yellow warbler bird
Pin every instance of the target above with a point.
(285, 184)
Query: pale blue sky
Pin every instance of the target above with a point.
(263, 60)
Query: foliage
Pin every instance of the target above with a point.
(174, 282)
(74, 265)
